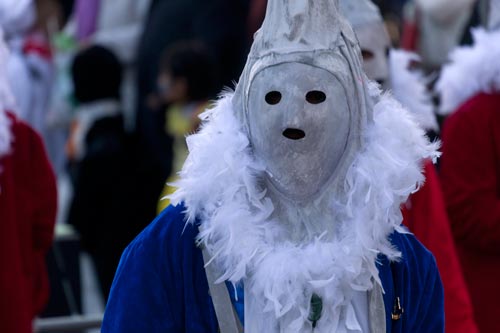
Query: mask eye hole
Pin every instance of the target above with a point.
(273, 97)
(367, 55)
(315, 97)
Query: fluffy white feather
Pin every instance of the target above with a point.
(5, 134)
(6, 100)
(220, 185)
(408, 87)
(472, 70)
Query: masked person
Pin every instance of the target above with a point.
(470, 173)
(389, 67)
(434, 27)
(290, 194)
(425, 212)
(28, 203)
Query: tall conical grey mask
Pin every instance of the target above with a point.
(302, 97)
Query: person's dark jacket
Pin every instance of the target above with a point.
(105, 204)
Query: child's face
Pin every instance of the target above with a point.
(172, 90)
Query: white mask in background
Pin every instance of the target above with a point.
(373, 37)
(375, 46)
(299, 121)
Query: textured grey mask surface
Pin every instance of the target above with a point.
(299, 127)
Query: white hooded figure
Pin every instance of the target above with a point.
(296, 181)
(389, 67)
(366, 20)
(469, 89)
(442, 24)
(425, 211)
(304, 177)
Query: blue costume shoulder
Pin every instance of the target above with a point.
(414, 284)
(160, 284)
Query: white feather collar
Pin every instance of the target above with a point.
(5, 134)
(6, 100)
(409, 88)
(219, 185)
(472, 70)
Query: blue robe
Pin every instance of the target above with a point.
(160, 284)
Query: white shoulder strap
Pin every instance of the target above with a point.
(227, 317)
(377, 310)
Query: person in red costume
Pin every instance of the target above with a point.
(425, 212)
(28, 203)
(470, 168)
(425, 215)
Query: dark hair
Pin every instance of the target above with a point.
(192, 61)
(66, 9)
(97, 74)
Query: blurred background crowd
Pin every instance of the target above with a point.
(113, 87)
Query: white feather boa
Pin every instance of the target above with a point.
(409, 88)
(472, 70)
(6, 100)
(219, 185)
(5, 134)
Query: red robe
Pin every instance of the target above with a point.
(470, 175)
(28, 203)
(425, 215)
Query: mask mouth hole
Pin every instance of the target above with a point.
(294, 134)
